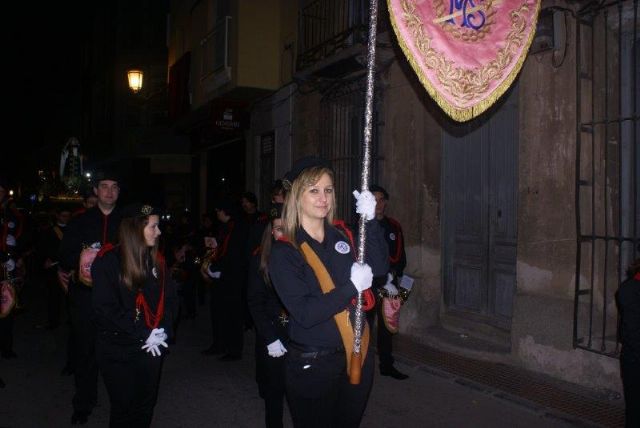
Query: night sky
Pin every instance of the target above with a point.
(44, 64)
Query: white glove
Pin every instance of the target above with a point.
(361, 276)
(11, 241)
(365, 204)
(214, 275)
(391, 289)
(155, 339)
(276, 349)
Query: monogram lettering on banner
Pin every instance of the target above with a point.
(466, 53)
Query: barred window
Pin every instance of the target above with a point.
(341, 137)
(607, 164)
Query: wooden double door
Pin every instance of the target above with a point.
(479, 213)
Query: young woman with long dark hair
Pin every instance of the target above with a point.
(270, 320)
(134, 305)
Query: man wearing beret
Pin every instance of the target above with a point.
(397, 262)
(95, 228)
(228, 272)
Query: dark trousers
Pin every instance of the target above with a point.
(189, 296)
(54, 298)
(270, 378)
(201, 289)
(86, 371)
(131, 376)
(630, 371)
(228, 317)
(247, 319)
(6, 333)
(214, 316)
(71, 343)
(319, 392)
(383, 337)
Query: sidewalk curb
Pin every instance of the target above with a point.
(532, 406)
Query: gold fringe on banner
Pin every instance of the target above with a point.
(468, 113)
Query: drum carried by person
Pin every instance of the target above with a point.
(12, 280)
(7, 298)
(87, 256)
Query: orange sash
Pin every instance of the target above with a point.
(341, 318)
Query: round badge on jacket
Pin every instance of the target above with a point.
(392, 236)
(342, 247)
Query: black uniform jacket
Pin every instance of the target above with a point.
(114, 305)
(628, 299)
(50, 244)
(256, 223)
(84, 230)
(233, 256)
(264, 305)
(311, 312)
(395, 241)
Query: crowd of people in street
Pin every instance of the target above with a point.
(123, 277)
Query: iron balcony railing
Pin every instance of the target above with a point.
(327, 26)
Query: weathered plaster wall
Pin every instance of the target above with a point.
(306, 127)
(542, 342)
(410, 147)
(542, 329)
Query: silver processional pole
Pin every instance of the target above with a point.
(356, 357)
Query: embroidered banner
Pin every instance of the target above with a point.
(467, 53)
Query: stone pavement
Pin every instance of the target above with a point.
(199, 391)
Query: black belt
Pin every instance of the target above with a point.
(307, 351)
(118, 338)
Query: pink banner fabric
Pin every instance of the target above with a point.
(466, 53)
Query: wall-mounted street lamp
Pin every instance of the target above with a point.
(135, 80)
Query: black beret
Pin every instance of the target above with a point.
(106, 174)
(302, 164)
(277, 186)
(224, 204)
(64, 207)
(139, 210)
(251, 197)
(275, 211)
(376, 188)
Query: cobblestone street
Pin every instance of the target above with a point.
(199, 391)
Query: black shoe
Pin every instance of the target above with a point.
(67, 371)
(79, 418)
(230, 357)
(393, 372)
(9, 354)
(212, 350)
